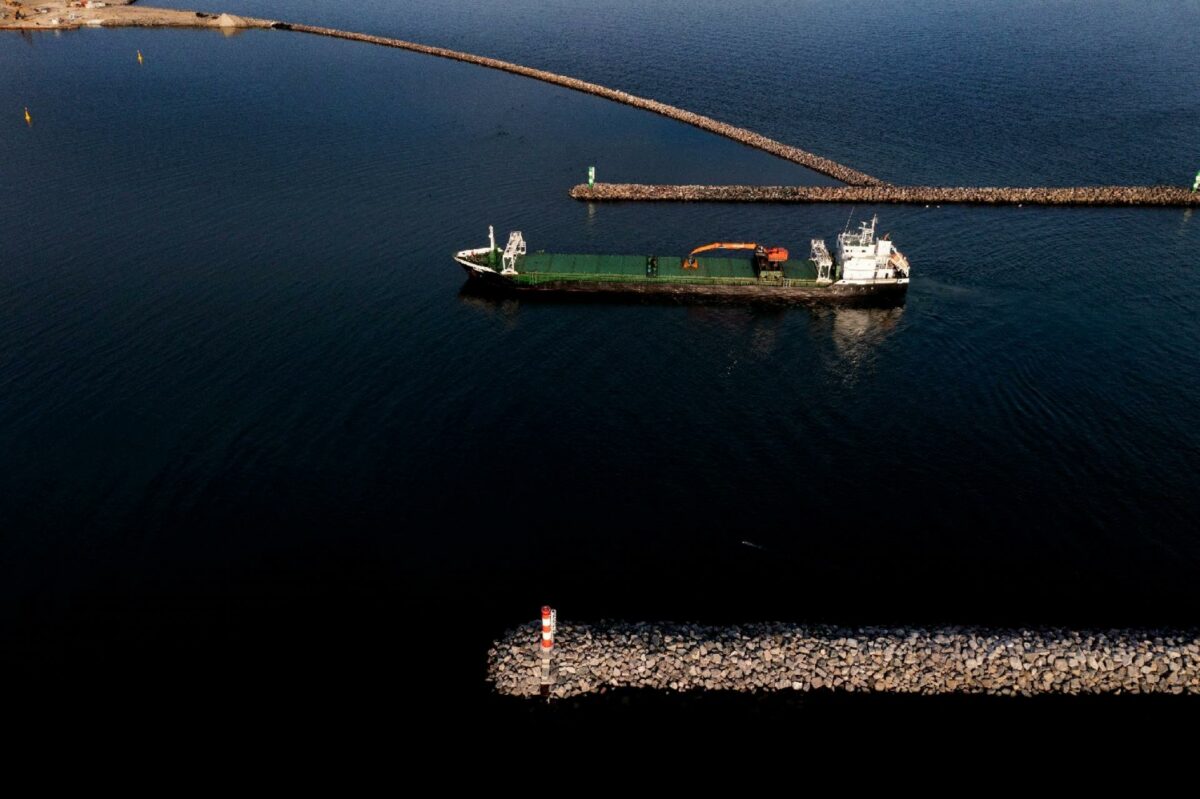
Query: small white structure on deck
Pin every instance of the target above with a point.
(824, 261)
(515, 247)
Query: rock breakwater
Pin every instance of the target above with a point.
(748, 137)
(784, 657)
(1163, 196)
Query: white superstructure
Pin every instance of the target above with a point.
(862, 258)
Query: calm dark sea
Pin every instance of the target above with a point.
(251, 430)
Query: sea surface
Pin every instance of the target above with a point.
(253, 433)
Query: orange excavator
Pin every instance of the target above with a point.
(770, 258)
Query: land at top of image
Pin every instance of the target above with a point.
(72, 14)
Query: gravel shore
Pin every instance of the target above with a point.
(34, 15)
(784, 657)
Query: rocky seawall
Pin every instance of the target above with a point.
(785, 657)
(748, 137)
(1164, 196)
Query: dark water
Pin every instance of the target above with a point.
(251, 433)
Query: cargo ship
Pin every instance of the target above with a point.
(862, 268)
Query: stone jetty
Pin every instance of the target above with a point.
(925, 195)
(814, 162)
(58, 14)
(785, 657)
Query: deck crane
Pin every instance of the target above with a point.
(765, 258)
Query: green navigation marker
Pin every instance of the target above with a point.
(592, 177)
(1196, 185)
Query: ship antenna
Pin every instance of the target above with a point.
(848, 218)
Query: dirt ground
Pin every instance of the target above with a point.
(67, 14)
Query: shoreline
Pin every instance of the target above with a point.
(51, 15)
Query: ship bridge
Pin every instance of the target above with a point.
(863, 258)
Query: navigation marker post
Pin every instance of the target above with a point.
(1196, 185)
(592, 176)
(549, 624)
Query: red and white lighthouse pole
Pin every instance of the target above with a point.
(547, 629)
(549, 622)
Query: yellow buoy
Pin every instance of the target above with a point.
(28, 119)
(139, 56)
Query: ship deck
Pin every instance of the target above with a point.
(586, 267)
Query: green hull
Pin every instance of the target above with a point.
(664, 277)
(540, 268)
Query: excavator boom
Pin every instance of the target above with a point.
(774, 255)
(724, 245)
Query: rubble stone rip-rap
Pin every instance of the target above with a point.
(784, 657)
